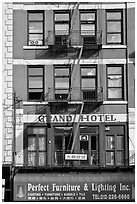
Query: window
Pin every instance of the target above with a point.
(88, 26)
(63, 139)
(62, 24)
(89, 144)
(36, 146)
(115, 82)
(35, 83)
(115, 136)
(62, 82)
(35, 28)
(114, 27)
(89, 82)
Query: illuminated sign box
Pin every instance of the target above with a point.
(75, 156)
(74, 187)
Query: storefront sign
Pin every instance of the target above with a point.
(74, 118)
(74, 187)
(75, 156)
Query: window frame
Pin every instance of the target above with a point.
(114, 20)
(63, 135)
(26, 151)
(90, 66)
(95, 134)
(122, 82)
(61, 76)
(115, 149)
(62, 36)
(88, 38)
(43, 24)
(43, 79)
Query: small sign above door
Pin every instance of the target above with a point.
(75, 156)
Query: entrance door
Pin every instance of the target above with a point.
(63, 139)
(89, 144)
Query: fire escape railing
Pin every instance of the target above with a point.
(76, 94)
(74, 38)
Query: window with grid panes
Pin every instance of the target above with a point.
(35, 28)
(36, 146)
(62, 82)
(89, 82)
(115, 82)
(114, 27)
(115, 145)
(62, 26)
(35, 83)
(88, 26)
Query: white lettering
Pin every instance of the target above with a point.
(66, 187)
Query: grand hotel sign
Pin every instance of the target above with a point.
(57, 118)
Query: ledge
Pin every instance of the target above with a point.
(114, 46)
(115, 102)
(34, 47)
(28, 103)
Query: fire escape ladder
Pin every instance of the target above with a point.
(76, 131)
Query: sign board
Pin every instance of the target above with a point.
(74, 187)
(57, 118)
(75, 156)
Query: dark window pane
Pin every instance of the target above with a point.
(35, 27)
(36, 39)
(35, 95)
(93, 143)
(110, 158)
(62, 72)
(113, 26)
(115, 93)
(120, 142)
(32, 143)
(31, 158)
(88, 83)
(115, 81)
(110, 143)
(88, 72)
(120, 158)
(87, 16)
(114, 16)
(62, 83)
(62, 17)
(36, 16)
(58, 142)
(42, 145)
(36, 71)
(114, 70)
(42, 158)
(35, 82)
(114, 38)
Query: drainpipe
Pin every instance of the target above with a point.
(127, 95)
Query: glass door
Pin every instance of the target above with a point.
(63, 139)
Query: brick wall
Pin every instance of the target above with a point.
(7, 27)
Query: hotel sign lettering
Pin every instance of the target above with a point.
(73, 188)
(84, 118)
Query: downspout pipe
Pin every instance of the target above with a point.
(127, 84)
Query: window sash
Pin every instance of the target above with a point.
(35, 83)
(35, 28)
(115, 146)
(115, 82)
(114, 27)
(36, 151)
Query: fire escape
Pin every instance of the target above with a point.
(75, 44)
